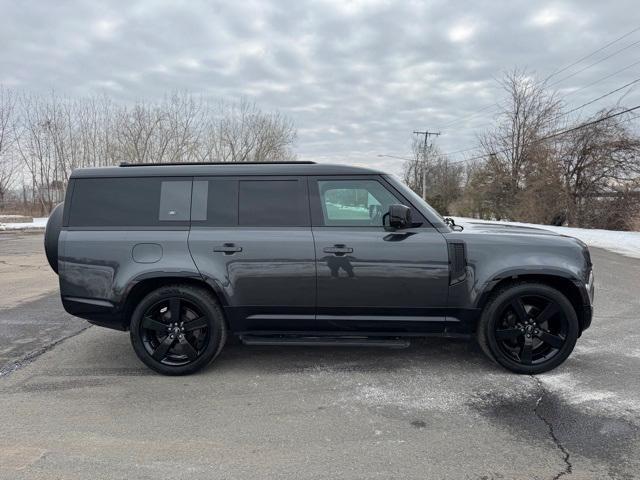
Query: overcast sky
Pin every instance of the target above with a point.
(357, 77)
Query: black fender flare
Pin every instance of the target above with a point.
(541, 272)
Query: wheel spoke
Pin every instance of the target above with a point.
(508, 333)
(526, 351)
(518, 309)
(163, 348)
(545, 315)
(174, 306)
(151, 324)
(195, 324)
(191, 352)
(556, 341)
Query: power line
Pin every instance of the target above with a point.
(595, 63)
(602, 96)
(496, 104)
(531, 143)
(477, 112)
(564, 114)
(602, 79)
(559, 133)
(592, 54)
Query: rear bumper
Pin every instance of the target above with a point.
(98, 312)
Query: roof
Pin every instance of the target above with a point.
(229, 169)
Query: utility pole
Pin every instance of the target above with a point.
(426, 134)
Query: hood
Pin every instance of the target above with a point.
(502, 228)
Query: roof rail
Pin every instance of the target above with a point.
(127, 164)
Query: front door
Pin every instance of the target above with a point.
(251, 239)
(369, 277)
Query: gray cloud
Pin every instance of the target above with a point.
(357, 77)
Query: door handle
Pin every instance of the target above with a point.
(227, 249)
(338, 249)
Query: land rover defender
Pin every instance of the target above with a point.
(184, 255)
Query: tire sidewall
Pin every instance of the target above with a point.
(490, 317)
(203, 301)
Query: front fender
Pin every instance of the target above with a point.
(494, 258)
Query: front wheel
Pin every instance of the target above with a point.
(528, 328)
(178, 329)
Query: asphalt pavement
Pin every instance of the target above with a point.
(87, 408)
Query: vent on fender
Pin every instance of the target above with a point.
(457, 261)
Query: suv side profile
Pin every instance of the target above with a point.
(298, 253)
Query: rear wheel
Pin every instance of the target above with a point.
(528, 328)
(177, 330)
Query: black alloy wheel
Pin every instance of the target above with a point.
(174, 331)
(177, 330)
(529, 328)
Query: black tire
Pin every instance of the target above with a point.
(183, 346)
(529, 340)
(51, 235)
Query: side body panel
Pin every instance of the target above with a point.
(371, 278)
(391, 281)
(98, 269)
(267, 285)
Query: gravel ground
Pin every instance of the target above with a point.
(87, 408)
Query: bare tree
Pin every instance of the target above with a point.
(8, 165)
(54, 135)
(241, 132)
(599, 163)
(529, 113)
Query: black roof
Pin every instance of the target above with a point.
(230, 169)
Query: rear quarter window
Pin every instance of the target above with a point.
(130, 202)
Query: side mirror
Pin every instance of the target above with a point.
(399, 216)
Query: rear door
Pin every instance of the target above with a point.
(251, 239)
(370, 278)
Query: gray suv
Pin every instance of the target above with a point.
(184, 255)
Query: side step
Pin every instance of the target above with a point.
(320, 341)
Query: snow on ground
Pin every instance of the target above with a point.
(625, 243)
(38, 223)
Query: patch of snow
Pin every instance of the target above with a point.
(580, 394)
(38, 223)
(625, 243)
(407, 398)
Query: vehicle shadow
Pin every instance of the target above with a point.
(110, 352)
(427, 353)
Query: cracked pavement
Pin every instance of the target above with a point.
(87, 408)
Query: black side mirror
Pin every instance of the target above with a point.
(399, 216)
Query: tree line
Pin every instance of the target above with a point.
(533, 164)
(44, 137)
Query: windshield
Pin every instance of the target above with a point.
(432, 215)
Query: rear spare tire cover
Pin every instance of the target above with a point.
(51, 235)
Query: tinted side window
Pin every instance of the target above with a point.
(273, 203)
(130, 202)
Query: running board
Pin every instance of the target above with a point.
(325, 341)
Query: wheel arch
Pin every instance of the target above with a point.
(563, 282)
(143, 286)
